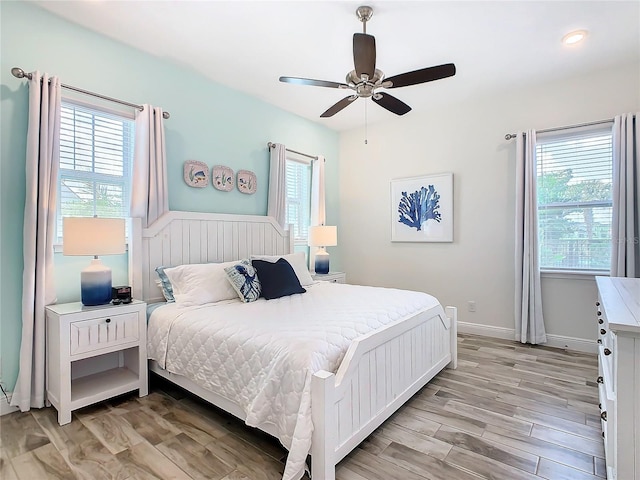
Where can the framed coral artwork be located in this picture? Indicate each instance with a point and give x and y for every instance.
(422, 209)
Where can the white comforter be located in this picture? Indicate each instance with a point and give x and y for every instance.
(262, 355)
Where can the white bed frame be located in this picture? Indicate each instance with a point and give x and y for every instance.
(380, 371)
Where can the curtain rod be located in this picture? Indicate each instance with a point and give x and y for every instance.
(20, 73)
(270, 144)
(509, 136)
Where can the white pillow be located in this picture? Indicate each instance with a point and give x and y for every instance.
(200, 283)
(297, 260)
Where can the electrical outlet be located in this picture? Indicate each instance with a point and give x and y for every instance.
(471, 306)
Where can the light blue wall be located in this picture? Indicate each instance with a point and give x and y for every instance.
(209, 122)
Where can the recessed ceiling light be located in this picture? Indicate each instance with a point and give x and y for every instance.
(572, 38)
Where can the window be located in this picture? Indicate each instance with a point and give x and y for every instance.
(574, 175)
(299, 199)
(96, 154)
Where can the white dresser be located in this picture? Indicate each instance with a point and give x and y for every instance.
(618, 311)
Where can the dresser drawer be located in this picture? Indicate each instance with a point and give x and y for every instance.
(606, 371)
(103, 332)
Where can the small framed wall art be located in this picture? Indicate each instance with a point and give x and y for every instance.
(247, 181)
(222, 178)
(422, 209)
(196, 174)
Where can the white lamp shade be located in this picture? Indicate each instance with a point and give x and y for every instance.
(93, 236)
(323, 236)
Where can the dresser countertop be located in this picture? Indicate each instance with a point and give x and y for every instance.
(621, 299)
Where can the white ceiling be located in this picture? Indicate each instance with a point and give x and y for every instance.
(247, 45)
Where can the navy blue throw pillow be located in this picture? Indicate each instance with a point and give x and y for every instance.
(277, 279)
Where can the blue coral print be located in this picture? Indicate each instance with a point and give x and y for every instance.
(418, 207)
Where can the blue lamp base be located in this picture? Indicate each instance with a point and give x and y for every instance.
(95, 284)
(322, 262)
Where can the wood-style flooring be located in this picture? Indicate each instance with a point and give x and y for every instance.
(509, 411)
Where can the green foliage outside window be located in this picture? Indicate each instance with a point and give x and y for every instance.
(574, 222)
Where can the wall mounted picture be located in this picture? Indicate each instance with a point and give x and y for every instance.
(196, 174)
(247, 181)
(422, 209)
(222, 178)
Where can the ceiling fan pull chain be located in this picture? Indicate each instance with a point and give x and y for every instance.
(365, 123)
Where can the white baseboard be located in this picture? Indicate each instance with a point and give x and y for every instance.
(558, 341)
(487, 330)
(5, 408)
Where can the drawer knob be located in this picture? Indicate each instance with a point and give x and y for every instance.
(108, 320)
(602, 331)
(603, 415)
(599, 341)
(600, 379)
(607, 351)
(599, 313)
(600, 406)
(600, 321)
(597, 304)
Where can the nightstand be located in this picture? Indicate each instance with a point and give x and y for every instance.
(94, 353)
(333, 277)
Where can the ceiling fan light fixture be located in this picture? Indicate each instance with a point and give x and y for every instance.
(574, 37)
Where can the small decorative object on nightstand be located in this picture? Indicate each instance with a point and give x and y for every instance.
(94, 353)
(333, 277)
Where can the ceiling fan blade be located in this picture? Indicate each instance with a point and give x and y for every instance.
(314, 83)
(391, 103)
(339, 106)
(423, 75)
(364, 54)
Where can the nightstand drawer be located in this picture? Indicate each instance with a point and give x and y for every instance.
(331, 277)
(103, 332)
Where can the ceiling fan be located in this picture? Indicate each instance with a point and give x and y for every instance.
(365, 79)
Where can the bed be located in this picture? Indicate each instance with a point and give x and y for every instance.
(354, 383)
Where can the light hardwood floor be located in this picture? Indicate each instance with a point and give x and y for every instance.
(509, 411)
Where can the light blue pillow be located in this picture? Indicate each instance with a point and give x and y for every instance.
(165, 284)
(244, 280)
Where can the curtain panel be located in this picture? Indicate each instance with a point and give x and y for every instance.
(529, 322)
(149, 190)
(277, 197)
(318, 212)
(38, 288)
(625, 228)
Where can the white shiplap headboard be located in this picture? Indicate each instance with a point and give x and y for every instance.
(179, 238)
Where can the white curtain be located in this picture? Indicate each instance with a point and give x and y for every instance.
(318, 212)
(149, 191)
(38, 289)
(276, 201)
(528, 301)
(318, 215)
(625, 255)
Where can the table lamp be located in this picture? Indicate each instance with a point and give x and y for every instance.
(322, 236)
(94, 236)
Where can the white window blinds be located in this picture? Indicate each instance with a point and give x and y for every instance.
(96, 153)
(574, 173)
(298, 203)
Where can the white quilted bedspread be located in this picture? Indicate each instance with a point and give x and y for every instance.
(261, 355)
